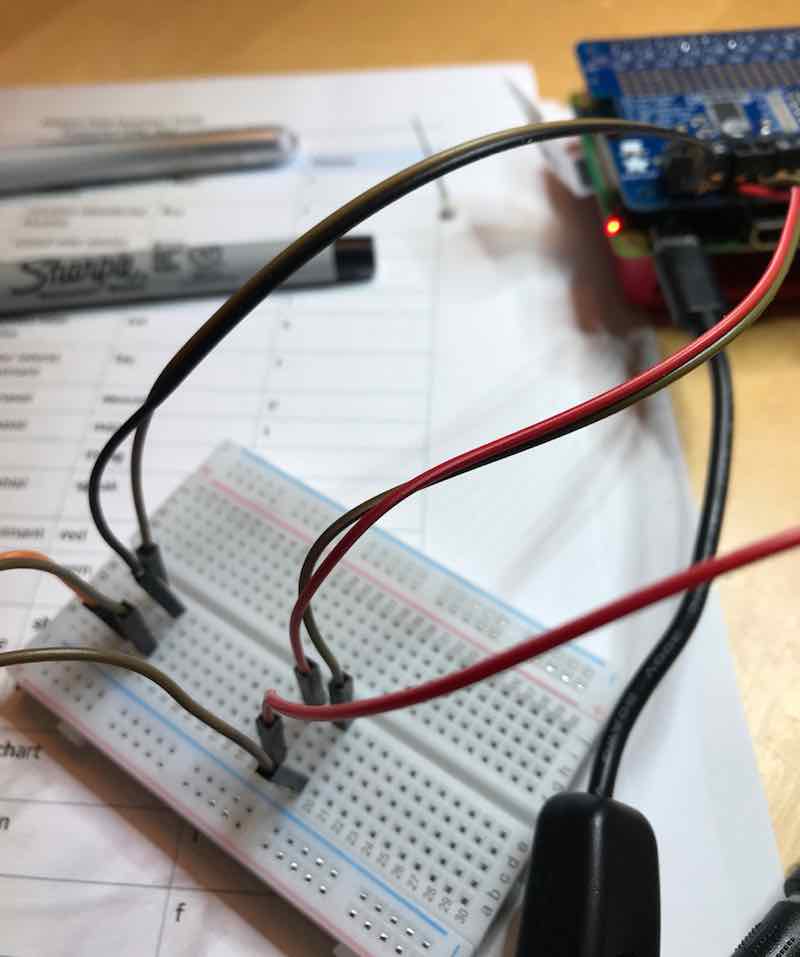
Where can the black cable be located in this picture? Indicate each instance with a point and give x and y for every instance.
(656, 665)
(142, 414)
(137, 451)
(316, 239)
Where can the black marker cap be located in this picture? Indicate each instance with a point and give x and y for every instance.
(355, 258)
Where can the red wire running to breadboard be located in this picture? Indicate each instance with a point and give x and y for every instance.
(408, 697)
(554, 424)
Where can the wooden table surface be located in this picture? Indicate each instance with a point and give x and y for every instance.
(73, 41)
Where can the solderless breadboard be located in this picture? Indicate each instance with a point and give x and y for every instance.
(413, 826)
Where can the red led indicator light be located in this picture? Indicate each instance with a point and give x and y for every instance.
(613, 225)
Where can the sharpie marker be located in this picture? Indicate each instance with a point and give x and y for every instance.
(167, 271)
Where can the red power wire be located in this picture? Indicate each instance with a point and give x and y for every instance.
(757, 191)
(682, 581)
(546, 427)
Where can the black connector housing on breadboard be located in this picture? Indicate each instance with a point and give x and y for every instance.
(340, 692)
(310, 683)
(131, 626)
(593, 886)
(151, 576)
(151, 559)
(272, 737)
(287, 778)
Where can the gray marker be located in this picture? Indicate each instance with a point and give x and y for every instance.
(165, 272)
(31, 169)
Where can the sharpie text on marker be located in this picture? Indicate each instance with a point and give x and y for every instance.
(166, 272)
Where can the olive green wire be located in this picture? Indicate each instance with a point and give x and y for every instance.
(68, 577)
(28, 656)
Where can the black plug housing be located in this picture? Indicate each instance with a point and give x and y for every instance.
(130, 626)
(272, 737)
(593, 888)
(310, 684)
(686, 278)
(340, 692)
(286, 778)
(151, 559)
(273, 740)
(152, 577)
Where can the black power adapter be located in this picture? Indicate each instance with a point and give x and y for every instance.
(593, 889)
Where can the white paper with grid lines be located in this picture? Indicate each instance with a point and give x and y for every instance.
(414, 826)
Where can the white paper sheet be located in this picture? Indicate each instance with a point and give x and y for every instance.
(475, 325)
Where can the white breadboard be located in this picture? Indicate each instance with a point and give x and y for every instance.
(414, 826)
